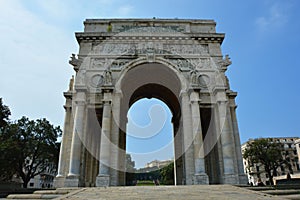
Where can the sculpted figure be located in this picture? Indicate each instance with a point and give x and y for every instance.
(107, 77)
(194, 77)
(71, 84)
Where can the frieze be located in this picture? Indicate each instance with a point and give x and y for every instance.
(201, 63)
(119, 63)
(101, 63)
(153, 47)
(114, 49)
(185, 49)
(193, 63)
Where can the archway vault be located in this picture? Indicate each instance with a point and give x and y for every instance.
(154, 80)
(153, 90)
(178, 61)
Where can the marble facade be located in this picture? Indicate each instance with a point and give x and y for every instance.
(178, 61)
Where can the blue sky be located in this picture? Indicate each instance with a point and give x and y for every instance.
(262, 39)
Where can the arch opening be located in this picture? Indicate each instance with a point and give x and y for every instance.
(149, 142)
(148, 82)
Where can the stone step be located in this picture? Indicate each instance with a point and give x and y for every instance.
(61, 191)
(33, 196)
(43, 194)
(281, 192)
(190, 192)
(292, 197)
(256, 188)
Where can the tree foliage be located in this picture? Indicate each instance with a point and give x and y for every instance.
(266, 152)
(130, 164)
(167, 174)
(26, 147)
(4, 114)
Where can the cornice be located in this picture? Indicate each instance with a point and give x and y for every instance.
(105, 36)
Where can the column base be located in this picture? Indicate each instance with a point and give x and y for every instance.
(102, 180)
(230, 179)
(201, 179)
(243, 179)
(72, 181)
(59, 182)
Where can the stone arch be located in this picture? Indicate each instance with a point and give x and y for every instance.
(146, 80)
(156, 52)
(143, 60)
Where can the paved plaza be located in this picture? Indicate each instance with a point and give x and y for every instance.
(167, 192)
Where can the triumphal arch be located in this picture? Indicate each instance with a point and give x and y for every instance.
(178, 61)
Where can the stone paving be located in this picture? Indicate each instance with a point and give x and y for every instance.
(194, 192)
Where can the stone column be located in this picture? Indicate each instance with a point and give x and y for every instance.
(115, 132)
(103, 178)
(61, 172)
(242, 177)
(228, 153)
(188, 139)
(75, 155)
(200, 175)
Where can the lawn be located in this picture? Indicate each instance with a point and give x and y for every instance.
(145, 183)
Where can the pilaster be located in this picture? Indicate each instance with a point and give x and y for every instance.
(115, 131)
(200, 176)
(63, 154)
(103, 178)
(242, 176)
(188, 139)
(229, 174)
(75, 154)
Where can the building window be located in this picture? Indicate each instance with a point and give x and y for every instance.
(31, 184)
(257, 168)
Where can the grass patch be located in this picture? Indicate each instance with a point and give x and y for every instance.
(145, 183)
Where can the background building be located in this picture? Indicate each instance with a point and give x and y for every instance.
(158, 163)
(292, 152)
(45, 179)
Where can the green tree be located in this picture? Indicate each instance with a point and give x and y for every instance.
(4, 115)
(5, 166)
(270, 154)
(167, 174)
(130, 164)
(130, 170)
(26, 147)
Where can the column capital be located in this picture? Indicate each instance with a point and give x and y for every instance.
(196, 101)
(194, 97)
(107, 89)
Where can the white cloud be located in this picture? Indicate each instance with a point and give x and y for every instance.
(276, 17)
(57, 9)
(125, 10)
(33, 63)
(37, 38)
